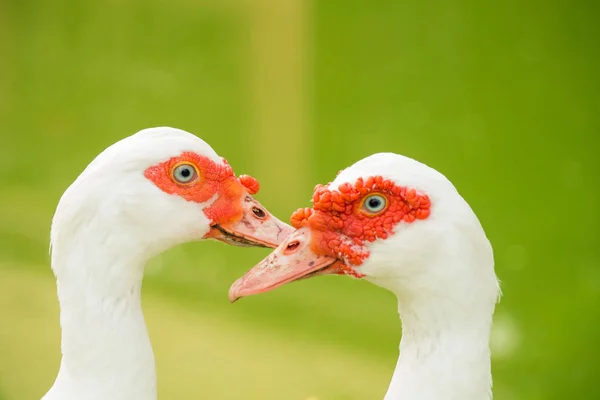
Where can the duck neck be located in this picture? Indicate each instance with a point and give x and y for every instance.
(106, 351)
(444, 351)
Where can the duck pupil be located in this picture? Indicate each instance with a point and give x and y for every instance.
(374, 203)
(185, 172)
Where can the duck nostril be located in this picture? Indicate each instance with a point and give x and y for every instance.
(292, 247)
(258, 212)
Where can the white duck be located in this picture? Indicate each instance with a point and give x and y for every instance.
(403, 226)
(141, 196)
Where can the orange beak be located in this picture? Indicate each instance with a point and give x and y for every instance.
(255, 227)
(292, 260)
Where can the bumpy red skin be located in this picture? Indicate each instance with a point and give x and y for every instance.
(341, 226)
(212, 179)
(250, 183)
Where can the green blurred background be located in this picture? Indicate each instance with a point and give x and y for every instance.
(502, 97)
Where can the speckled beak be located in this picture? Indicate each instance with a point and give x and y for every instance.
(292, 260)
(256, 227)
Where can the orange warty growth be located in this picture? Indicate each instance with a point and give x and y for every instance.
(250, 183)
(341, 225)
(214, 179)
(210, 176)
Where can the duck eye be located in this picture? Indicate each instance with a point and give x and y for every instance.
(374, 203)
(184, 173)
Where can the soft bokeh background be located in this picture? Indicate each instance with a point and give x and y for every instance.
(501, 97)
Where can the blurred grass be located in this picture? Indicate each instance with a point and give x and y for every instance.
(502, 99)
(194, 346)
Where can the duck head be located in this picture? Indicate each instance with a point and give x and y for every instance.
(161, 187)
(390, 220)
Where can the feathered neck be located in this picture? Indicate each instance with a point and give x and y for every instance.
(444, 351)
(106, 351)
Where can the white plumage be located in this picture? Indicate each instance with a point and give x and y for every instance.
(441, 270)
(108, 223)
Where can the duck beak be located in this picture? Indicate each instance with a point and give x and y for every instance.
(292, 260)
(256, 227)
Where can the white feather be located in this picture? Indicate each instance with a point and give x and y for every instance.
(108, 223)
(442, 271)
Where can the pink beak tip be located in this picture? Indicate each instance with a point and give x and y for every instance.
(233, 292)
